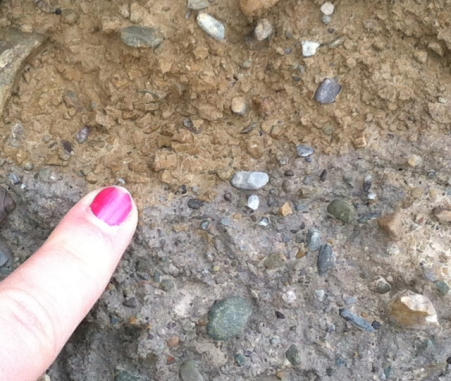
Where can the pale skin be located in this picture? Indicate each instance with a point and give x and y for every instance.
(45, 299)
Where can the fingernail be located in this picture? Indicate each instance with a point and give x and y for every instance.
(112, 205)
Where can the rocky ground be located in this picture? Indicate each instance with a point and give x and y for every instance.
(330, 263)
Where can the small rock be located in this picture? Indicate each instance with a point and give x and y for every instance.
(83, 134)
(263, 30)
(391, 224)
(412, 310)
(253, 202)
(228, 318)
(342, 210)
(414, 161)
(381, 286)
(286, 210)
(123, 375)
(14, 179)
(326, 259)
(309, 48)
(255, 7)
(376, 325)
(327, 91)
(173, 341)
(225, 221)
(289, 173)
(367, 182)
(240, 359)
(249, 180)
(327, 8)
(356, 320)
(6, 259)
(141, 37)
(442, 286)
(264, 221)
(167, 285)
(130, 302)
(197, 5)
(442, 213)
(304, 151)
(313, 239)
(239, 106)
(189, 371)
(204, 225)
(293, 355)
(7, 204)
(195, 203)
(326, 19)
(273, 261)
(211, 26)
(320, 295)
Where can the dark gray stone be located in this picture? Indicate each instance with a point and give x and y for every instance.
(326, 259)
(195, 203)
(356, 320)
(190, 372)
(342, 210)
(228, 318)
(141, 37)
(292, 354)
(327, 91)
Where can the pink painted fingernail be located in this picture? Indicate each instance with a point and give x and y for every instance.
(112, 205)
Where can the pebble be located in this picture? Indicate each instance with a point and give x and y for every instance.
(376, 325)
(327, 8)
(274, 261)
(342, 210)
(6, 258)
(263, 30)
(123, 375)
(130, 302)
(189, 371)
(286, 209)
(323, 175)
(204, 225)
(249, 180)
(326, 19)
(313, 239)
(225, 221)
(442, 214)
(195, 203)
(228, 318)
(309, 48)
(83, 134)
(197, 5)
(367, 182)
(289, 173)
(356, 320)
(381, 286)
(253, 202)
(304, 151)
(240, 359)
(442, 286)
(293, 355)
(7, 204)
(280, 315)
(28, 166)
(391, 225)
(239, 106)
(320, 295)
(141, 37)
(167, 285)
(326, 259)
(412, 310)
(264, 221)
(327, 91)
(211, 26)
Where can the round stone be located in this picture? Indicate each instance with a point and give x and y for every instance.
(327, 8)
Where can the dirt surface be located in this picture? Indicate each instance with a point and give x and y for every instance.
(160, 123)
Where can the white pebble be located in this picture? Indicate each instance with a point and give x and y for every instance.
(263, 29)
(309, 48)
(211, 26)
(253, 202)
(327, 8)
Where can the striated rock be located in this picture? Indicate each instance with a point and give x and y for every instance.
(255, 7)
(412, 310)
(141, 37)
(249, 180)
(442, 213)
(342, 210)
(15, 48)
(391, 224)
(211, 26)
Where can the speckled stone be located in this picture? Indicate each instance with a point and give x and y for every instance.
(292, 354)
(342, 210)
(228, 318)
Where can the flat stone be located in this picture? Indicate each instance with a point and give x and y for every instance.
(327, 91)
(342, 210)
(7, 204)
(255, 7)
(304, 151)
(412, 310)
(189, 371)
(356, 320)
(313, 239)
(141, 37)
(293, 355)
(197, 5)
(249, 180)
(441, 113)
(443, 214)
(309, 48)
(253, 202)
(211, 26)
(391, 225)
(15, 48)
(326, 259)
(263, 30)
(228, 318)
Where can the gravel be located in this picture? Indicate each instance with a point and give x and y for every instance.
(293, 355)
(327, 91)
(313, 239)
(195, 203)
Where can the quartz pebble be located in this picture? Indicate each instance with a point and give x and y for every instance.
(327, 91)
(309, 48)
(304, 151)
(211, 26)
(263, 30)
(412, 310)
(356, 320)
(327, 8)
(253, 202)
(249, 180)
(326, 259)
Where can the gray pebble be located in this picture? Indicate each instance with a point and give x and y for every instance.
(225, 221)
(6, 259)
(228, 318)
(249, 180)
(195, 203)
(130, 302)
(293, 355)
(327, 91)
(14, 179)
(356, 320)
(313, 239)
(211, 26)
(442, 286)
(190, 372)
(167, 285)
(204, 225)
(123, 375)
(320, 295)
(326, 259)
(326, 19)
(304, 151)
(83, 134)
(197, 5)
(367, 182)
(28, 166)
(240, 359)
(141, 37)
(342, 210)
(253, 202)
